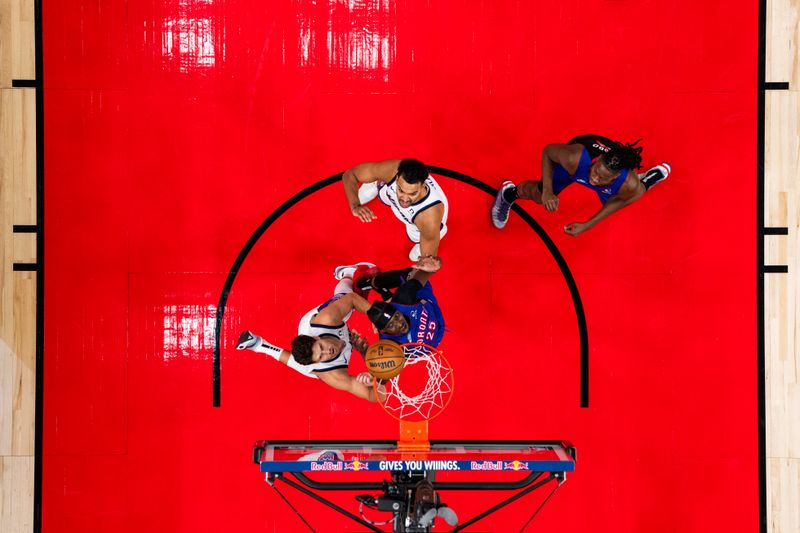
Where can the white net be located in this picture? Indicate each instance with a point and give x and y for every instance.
(423, 388)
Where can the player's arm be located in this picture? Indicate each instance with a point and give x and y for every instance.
(355, 176)
(356, 385)
(429, 224)
(630, 191)
(566, 155)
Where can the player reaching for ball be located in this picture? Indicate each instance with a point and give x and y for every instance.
(324, 344)
(416, 315)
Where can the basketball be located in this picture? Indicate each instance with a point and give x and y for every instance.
(385, 359)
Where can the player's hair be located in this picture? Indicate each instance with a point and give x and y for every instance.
(623, 155)
(412, 171)
(301, 349)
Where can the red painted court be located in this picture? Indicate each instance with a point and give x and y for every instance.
(174, 129)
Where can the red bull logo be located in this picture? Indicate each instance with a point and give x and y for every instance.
(486, 465)
(515, 465)
(326, 466)
(355, 465)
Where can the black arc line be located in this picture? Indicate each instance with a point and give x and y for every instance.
(551, 246)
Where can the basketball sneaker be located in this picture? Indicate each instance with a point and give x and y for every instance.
(655, 175)
(362, 278)
(501, 207)
(247, 340)
(347, 271)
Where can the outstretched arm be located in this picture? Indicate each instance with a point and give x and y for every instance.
(354, 177)
(565, 155)
(630, 191)
(360, 385)
(429, 224)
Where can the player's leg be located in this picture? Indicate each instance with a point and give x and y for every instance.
(358, 273)
(255, 343)
(526, 190)
(655, 175)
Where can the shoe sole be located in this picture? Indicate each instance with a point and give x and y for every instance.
(503, 187)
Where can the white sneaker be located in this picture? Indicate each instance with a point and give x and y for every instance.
(655, 175)
(347, 271)
(247, 340)
(414, 253)
(368, 192)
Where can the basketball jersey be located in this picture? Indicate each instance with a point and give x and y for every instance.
(593, 147)
(425, 320)
(342, 332)
(388, 195)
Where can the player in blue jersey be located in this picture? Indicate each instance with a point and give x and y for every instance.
(607, 167)
(411, 312)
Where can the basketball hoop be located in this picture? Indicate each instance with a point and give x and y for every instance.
(418, 394)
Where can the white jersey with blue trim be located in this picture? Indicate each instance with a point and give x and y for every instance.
(388, 195)
(341, 332)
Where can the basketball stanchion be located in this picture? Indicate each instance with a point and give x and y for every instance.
(414, 383)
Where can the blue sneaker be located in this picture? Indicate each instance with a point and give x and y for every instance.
(501, 208)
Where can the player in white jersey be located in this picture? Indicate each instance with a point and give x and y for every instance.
(324, 343)
(413, 195)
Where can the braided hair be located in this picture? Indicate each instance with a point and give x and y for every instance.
(623, 155)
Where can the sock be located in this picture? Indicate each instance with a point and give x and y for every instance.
(264, 347)
(510, 194)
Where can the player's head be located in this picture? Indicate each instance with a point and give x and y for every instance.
(397, 325)
(411, 176)
(387, 319)
(609, 165)
(308, 350)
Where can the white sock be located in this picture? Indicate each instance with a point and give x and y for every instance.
(264, 347)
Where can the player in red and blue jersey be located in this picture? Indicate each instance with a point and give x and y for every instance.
(607, 167)
(410, 307)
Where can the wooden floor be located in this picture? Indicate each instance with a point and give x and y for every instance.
(17, 288)
(781, 290)
(18, 247)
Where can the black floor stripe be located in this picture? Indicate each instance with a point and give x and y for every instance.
(776, 86)
(25, 267)
(25, 228)
(776, 231)
(24, 83)
(760, 422)
(776, 269)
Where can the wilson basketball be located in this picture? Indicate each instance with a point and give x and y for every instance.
(385, 359)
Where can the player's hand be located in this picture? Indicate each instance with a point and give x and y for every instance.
(359, 343)
(428, 263)
(363, 213)
(575, 228)
(365, 378)
(550, 201)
